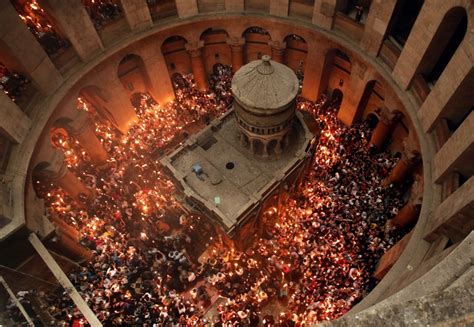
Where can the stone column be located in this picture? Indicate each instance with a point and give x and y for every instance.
(237, 52)
(351, 103)
(161, 86)
(456, 154)
(20, 42)
(234, 5)
(78, 27)
(242, 139)
(278, 149)
(70, 231)
(72, 248)
(376, 26)
(114, 97)
(187, 8)
(422, 40)
(137, 14)
(323, 13)
(452, 95)
(408, 215)
(58, 173)
(286, 140)
(278, 51)
(265, 153)
(316, 73)
(71, 184)
(82, 129)
(403, 168)
(197, 64)
(279, 8)
(14, 124)
(382, 131)
(454, 217)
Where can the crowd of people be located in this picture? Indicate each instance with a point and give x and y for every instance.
(12, 83)
(40, 25)
(313, 262)
(102, 11)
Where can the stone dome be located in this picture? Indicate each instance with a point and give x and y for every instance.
(265, 87)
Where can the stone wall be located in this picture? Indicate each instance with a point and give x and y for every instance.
(448, 100)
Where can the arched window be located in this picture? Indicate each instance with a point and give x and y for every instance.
(216, 50)
(295, 54)
(13, 82)
(371, 120)
(444, 44)
(43, 26)
(256, 43)
(175, 54)
(403, 18)
(372, 98)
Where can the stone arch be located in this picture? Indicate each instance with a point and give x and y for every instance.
(246, 139)
(403, 19)
(422, 44)
(17, 86)
(133, 75)
(372, 119)
(373, 97)
(176, 57)
(59, 128)
(46, 29)
(296, 53)
(62, 177)
(256, 43)
(38, 175)
(216, 49)
(337, 96)
(365, 99)
(272, 146)
(446, 40)
(337, 70)
(93, 95)
(258, 146)
(400, 130)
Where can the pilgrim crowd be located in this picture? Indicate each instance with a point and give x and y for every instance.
(12, 83)
(102, 11)
(37, 21)
(314, 261)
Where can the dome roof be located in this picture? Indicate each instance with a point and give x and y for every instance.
(264, 86)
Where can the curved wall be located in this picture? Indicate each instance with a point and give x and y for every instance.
(335, 49)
